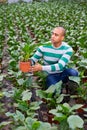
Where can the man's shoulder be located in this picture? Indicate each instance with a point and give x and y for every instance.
(66, 45)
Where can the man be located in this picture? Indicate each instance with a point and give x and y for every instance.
(56, 56)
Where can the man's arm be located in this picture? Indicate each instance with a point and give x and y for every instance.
(38, 54)
(61, 63)
(58, 66)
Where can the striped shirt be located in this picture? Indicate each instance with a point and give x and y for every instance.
(54, 59)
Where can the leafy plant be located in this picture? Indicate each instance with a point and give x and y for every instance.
(26, 51)
(82, 92)
(52, 95)
(66, 115)
(28, 123)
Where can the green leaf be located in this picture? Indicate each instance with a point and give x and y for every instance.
(20, 128)
(76, 106)
(20, 81)
(4, 123)
(53, 111)
(85, 109)
(35, 105)
(60, 98)
(51, 89)
(29, 122)
(36, 125)
(1, 94)
(64, 125)
(44, 126)
(10, 114)
(2, 76)
(60, 117)
(75, 122)
(41, 93)
(75, 79)
(26, 95)
(20, 116)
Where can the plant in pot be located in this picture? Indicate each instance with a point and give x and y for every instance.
(26, 53)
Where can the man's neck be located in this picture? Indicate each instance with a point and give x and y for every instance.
(57, 45)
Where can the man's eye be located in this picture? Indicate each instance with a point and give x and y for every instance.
(56, 34)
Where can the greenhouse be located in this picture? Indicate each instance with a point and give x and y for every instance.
(25, 28)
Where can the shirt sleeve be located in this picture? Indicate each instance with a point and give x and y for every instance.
(38, 54)
(63, 61)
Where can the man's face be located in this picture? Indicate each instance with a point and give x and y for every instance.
(57, 36)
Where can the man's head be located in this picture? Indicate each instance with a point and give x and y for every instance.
(57, 36)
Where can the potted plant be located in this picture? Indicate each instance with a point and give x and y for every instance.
(26, 52)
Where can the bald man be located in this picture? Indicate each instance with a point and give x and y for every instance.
(55, 54)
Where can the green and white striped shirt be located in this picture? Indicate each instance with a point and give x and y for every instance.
(54, 59)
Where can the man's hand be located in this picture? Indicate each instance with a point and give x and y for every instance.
(36, 67)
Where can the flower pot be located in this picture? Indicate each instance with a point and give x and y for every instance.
(25, 66)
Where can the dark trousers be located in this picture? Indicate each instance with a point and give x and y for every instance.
(54, 78)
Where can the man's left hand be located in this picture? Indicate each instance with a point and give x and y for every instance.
(36, 67)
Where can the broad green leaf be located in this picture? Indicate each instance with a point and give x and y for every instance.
(2, 76)
(76, 106)
(20, 81)
(20, 116)
(36, 125)
(44, 126)
(4, 123)
(41, 93)
(60, 98)
(51, 89)
(20, 128)
(75, 122)
(85, 109)
(26, 95)
(9, 114)
(64, 125)
(53, 111)
(75, 79)
(60, 117)
(35, 105)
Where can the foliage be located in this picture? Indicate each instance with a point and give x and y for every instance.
(52, 95)
(29, 123)
(26, 51)
(24, 25)
(82, 92)
(67, 117)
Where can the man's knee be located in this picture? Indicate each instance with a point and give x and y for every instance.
(51, 79)
(72, 72)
